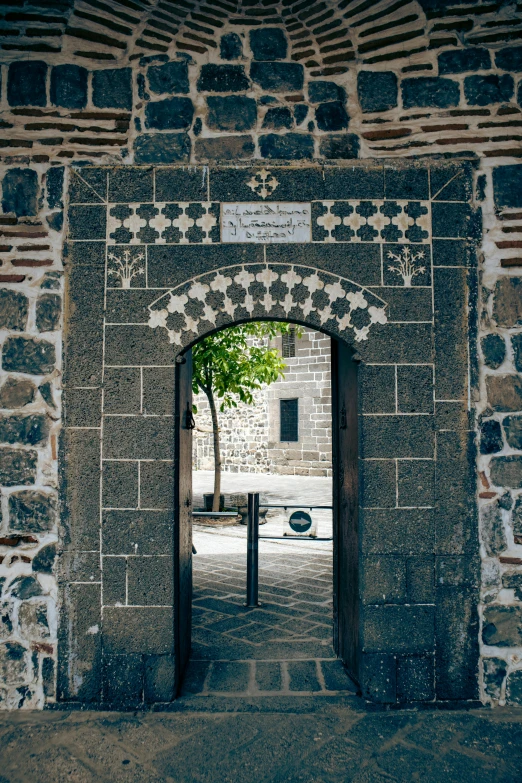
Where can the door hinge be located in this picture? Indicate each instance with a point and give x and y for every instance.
(189, 418)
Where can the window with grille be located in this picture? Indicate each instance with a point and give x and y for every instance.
(289, 420)
(288, 346)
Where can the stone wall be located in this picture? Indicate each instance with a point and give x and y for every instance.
(168, 82)
(250, 434)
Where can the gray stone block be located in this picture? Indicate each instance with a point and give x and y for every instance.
(32, 511)
(303, 676)
(16, 392)
(17, 466)
(225, 148)
(384, 580)
(394, 437)
(398, 531)
(29, 355)
(379, 678)
(120, 484)
(157, 484)
(145, 532)
(114, 580)
(20, 191)
(158, 391)
(457, 643)
(143, 630)
(420, 579)
(415, 678)
(82, 407)
(506, 472)
(138, 437)
(502, 626)
(48, 312)
(415, 482)
(507, 302)
(122, 680)
(229, 676)
(150, 581)
(378, 483)
(398, 629)
(112, 88)
(159, 684)
(172, 77)
(504, 392)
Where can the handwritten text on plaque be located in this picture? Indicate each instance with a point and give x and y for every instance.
(272, 221)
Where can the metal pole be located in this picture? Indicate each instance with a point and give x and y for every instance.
(253, 550)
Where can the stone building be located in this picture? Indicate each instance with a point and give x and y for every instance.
(288, 428)
(127, 131)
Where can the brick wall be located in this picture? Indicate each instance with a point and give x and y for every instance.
(162, 82)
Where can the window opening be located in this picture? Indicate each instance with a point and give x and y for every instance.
(289, 420)
(288, 344)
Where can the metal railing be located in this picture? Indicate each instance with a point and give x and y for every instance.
(253, 538)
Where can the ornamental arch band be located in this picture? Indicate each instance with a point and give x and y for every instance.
(385, 266)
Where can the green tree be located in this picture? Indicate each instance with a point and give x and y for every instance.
(229, 366)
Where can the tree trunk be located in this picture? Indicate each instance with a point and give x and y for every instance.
(217, 450)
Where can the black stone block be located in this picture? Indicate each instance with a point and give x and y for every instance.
(112, 88)
(171, 77)
(509, 59)
(13, 310)
(451, 183)
(415, 678)
(82, 456)
(120, 484)
(131, 184)
(399, 531)
(331, 116)
(142, 630)
(288, 146)
(278, 77)
(26, 83)
(354, 182)
(88, 186)
(268, 43)
(169, 114)
(32, 512)
(82, 407)
(69, 86)
(455, 493)
(27, 354)
(278, 117)
(377, 90)
(377, 388)
(398, 629)
(83, 359)
(356, 262)
(451, 336)
(298, 184)
(122, 390)
(406, 182)
(339, 146)
(319, 92)
(491, 437)
(20, 192)
(150, 581)
(54, 182)
(87, 222)
(516, 342)
(457, 652)
(231, 112)
(29, 430)
(122, 680)
(126, 345)
(230, 47)
(225, 148)
(181, 184)
(415, 482)
(43, 561)
(483, 90)
(300, 112)
(170, 266)
(162, 148)
(389, 437)
(114, 580)
(461, 60)
(420, 576)
(430, 91)
(158, 391)
(222, 78)
(379, 678)
(451, 252)
(48, 312)
(79, 676)
(150, 531)
(136, 437)
(378, 483)
(513, 429)
(384, 580)
(159, 685)
(157, 484)
(17, 467)
(415, 389)
(507, 185)
(451, 220)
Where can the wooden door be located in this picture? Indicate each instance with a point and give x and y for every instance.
(183, 514)
(345, 506)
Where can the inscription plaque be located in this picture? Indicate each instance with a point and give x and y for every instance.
(272, 221)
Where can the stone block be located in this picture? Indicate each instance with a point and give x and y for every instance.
(492, 530)
(502, 626)
(339, 146)
(506, 472)
(379, 678)
(25, 587)
(112, 88)
(321, 91)
(120, 484)
(170, 77)
(455, 487)
(20, 191)
(513, 429)
(300, 112)
(114, 576)
(495, 670)
(516, 342)
(162, 148)
(415, 388)
(26, 83)
(490, 437)
(406, 182)
(484, 90)
(378, 483)
(415, 678)
(222, 78)
(507, 186)
(268, 43)
(87, 222)
(415, 480)
(32, 512)
(17, 392)
(69, 86)
(158, 391)
(14, 663)
(83, 358)
(79, 668)
(384, 580)
(398, 629)
(122, 390)
(303, 676)
(429, 91)
(129, 344)
(377, 388)
(82, 407)
(159, 684)
(13, 310)
(141, 630)
(29, 355)
(34, 622)
(146, 532)
(48, 312)
(230, 47)
(43, 561)
(353, 182)
(457, 643)
(131, 183)
(451, 252)
(157, 484)
(17, 466)
(507, 303)
(493, 350)
(137, 437)
(225, 148)
(54, 181)
(451, 334)
(514, 688)
(231, 112)
(462, 60)
(331, 116)
(509, 59)
(451, 220)
(277, 77)
(80, 566)
(504, 392)
(82, 456)
(288, 146)
(169, 114)
(420, 580)
(394, 437)
(184, 183)
(278, 117)
(377, 90)
(150, 581)
(122, 680)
